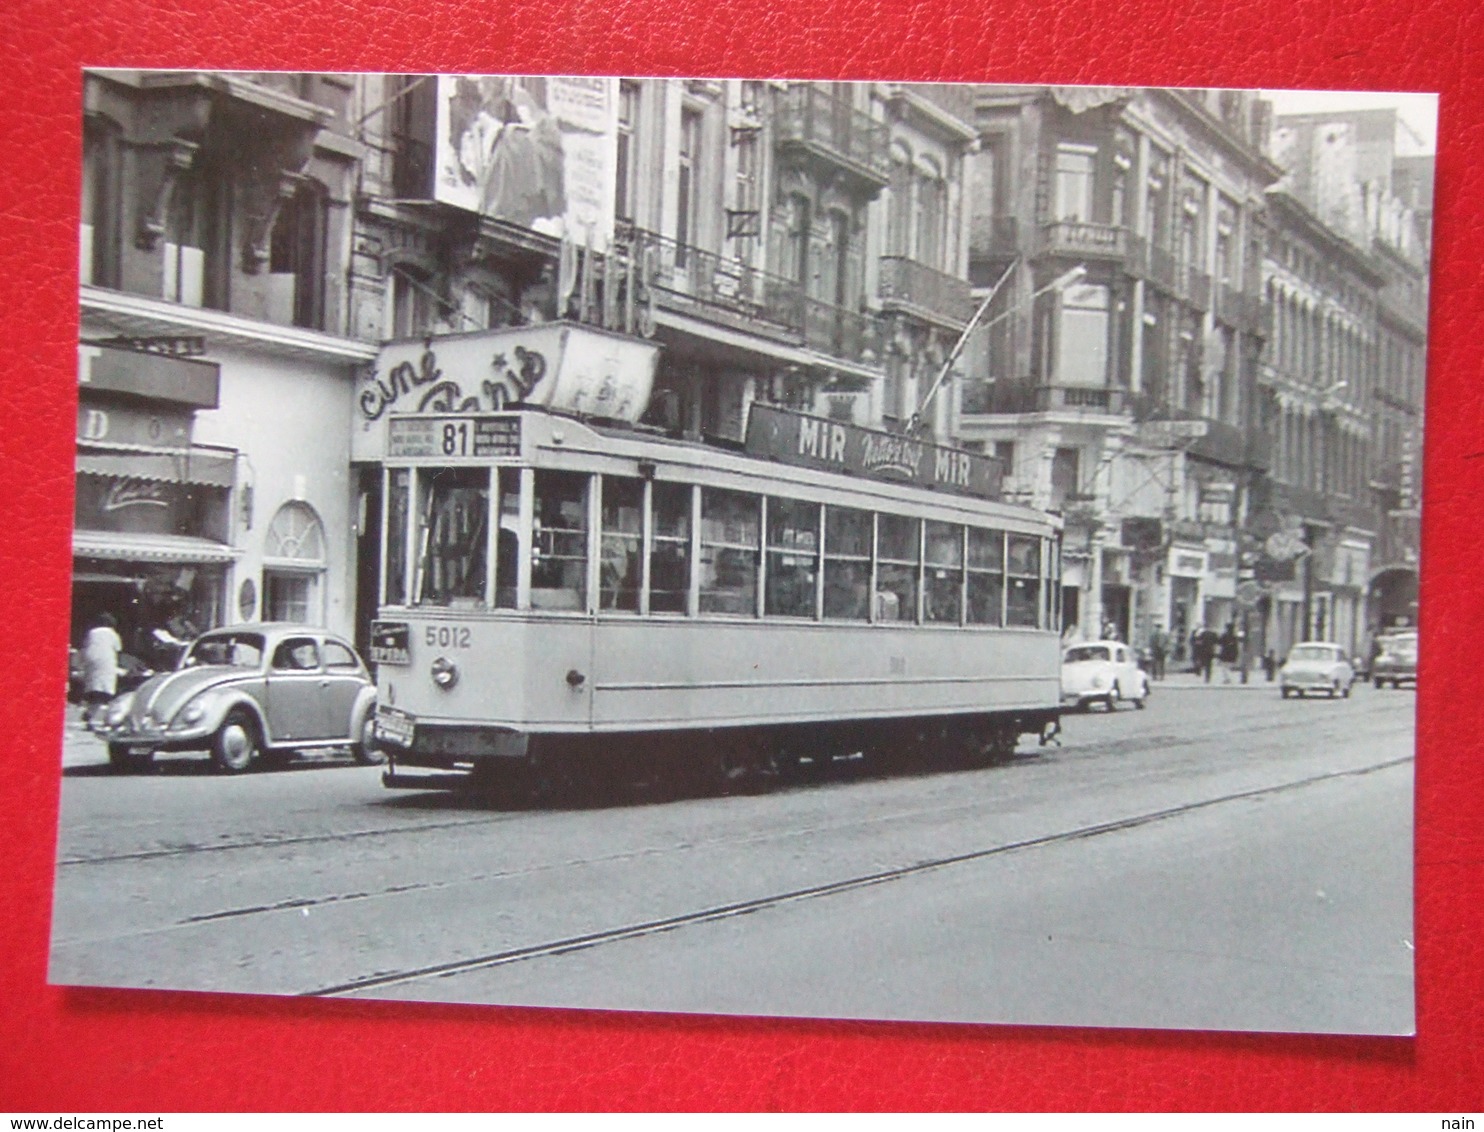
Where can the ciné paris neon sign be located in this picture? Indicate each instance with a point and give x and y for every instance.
(511, 385)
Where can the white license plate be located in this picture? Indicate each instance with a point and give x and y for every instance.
(395, 726)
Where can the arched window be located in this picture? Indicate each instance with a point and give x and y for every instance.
(294, 565)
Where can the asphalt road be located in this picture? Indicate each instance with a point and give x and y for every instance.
(1223, 860)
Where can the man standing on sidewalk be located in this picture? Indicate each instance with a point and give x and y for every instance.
(1159, 649)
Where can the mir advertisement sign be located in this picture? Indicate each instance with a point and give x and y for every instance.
(813, 442)
(538, 152)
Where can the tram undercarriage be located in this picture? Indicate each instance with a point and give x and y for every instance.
(729, 760)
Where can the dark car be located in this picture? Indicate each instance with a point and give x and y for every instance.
(266, 688)
(1396, 660)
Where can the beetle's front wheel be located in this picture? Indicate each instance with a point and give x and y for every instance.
(235, 747)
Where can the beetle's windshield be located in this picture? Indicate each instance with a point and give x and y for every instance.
(233, 650)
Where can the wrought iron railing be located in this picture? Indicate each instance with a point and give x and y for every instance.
(816, 120)
(706, 284)
(908, 283)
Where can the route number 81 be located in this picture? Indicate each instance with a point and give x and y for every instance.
(456, 439)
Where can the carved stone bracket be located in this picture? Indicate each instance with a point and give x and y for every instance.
(260, 215)
(176, 157)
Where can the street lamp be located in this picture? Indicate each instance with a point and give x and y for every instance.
(1060, 283)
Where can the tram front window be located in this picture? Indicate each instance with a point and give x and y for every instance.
(398, 504)
(559, 555)
(454, 536)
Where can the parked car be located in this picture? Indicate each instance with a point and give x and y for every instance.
(1102, 672)
(1316, 666)
(1396, 660)
(245, 692)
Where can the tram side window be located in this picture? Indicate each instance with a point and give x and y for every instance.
(454, 536)
(623, 544)
(669, 551)
(398, 503)
(793, 558)
(847, 564)
(729, 551)
(898, 554)
(1024, 598)
(1052, 561)
(559, 542)
(943, 582)
(986, 576)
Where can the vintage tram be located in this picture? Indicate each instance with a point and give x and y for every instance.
(556, 590)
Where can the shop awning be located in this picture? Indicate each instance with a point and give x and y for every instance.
(128, 547)
(210, 469)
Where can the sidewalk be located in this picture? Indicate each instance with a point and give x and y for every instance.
(80, 747)
(1189, 681)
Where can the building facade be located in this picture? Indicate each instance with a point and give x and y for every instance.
(259, 250)
(215, 371)
(1116, 375)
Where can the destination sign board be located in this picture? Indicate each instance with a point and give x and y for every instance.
(813, 442)
(422, 437)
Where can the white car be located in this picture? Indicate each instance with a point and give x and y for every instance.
(1316, 666)
(1102, 672)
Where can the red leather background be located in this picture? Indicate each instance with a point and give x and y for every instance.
(90, 1050)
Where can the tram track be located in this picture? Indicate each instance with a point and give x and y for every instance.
(714, 913)
(1097, 747)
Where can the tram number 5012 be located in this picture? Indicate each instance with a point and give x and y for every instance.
(446, 636)
(456, 439)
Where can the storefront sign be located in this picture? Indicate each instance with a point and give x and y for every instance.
(421, 438)
(562, 366)
(157, 376)
(813, 442)
(134, 426)
(1187, 564)
(144, 505)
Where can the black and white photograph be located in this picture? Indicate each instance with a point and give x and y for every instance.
(850, 550)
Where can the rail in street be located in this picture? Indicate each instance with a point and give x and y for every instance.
(318, 882)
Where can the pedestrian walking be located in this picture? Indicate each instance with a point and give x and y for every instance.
(1159, 649)
(1203, 651)
(1228, 650)
(100, 666)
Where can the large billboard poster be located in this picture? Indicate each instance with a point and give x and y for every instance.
(539, 152)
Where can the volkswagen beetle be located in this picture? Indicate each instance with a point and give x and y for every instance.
(1102, 672)
(248, 691)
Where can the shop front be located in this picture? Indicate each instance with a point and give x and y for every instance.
(151, 523)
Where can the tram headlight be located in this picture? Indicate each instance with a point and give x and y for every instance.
(445, 673)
